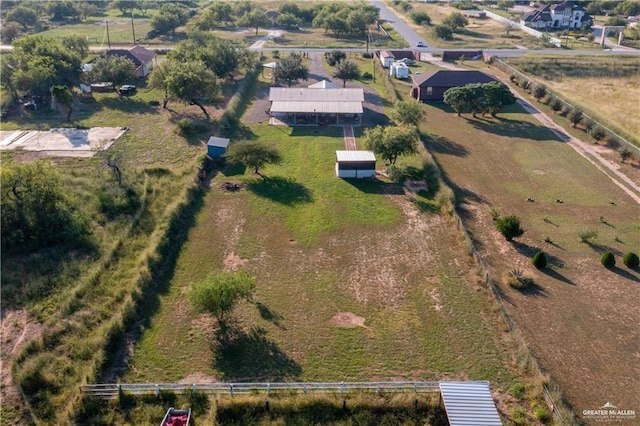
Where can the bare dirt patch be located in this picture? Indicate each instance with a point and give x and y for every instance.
(198, 377)
(233, 262)
(347, 320)
(15, 331)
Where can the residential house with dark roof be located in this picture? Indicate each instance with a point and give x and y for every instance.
(566, 14)
(141, 57)
(431, 86)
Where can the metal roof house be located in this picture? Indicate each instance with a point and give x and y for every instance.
(431, 86)
(217, 147)
(299, 106)
(142, 58)
(355, 164)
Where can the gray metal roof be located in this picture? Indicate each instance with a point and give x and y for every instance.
(469, 404)
(353, 156)
(304, 94)
(324, 84)
(219, 142)
(317, 106)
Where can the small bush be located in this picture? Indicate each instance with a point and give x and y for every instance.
(598, 133)
(631, 260)
(366, 75)
(517, 279)
(575, 116)
(367, 55)
(509, 227)
(556, 104)
(608, 260)
(517, 390)
(588, 124)
(519, 416)
(589, 237)
(187, 127)
(539, 260)
(625, 154)
(495, 213)
(542, 413)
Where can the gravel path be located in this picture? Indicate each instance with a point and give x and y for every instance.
(349, 139)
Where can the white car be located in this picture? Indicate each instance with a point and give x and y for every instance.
(419, 44)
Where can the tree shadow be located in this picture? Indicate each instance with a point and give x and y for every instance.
(624, 274)
(128, 105)
(602, 249)
(281, 190)
(552, 273)
(512, 128)
(247, 356)
(268, 314)
(442, 145)
(525, 249)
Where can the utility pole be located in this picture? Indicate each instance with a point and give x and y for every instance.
(108, 39)
(133, 29)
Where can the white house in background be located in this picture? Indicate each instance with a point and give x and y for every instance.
(566, 14)
(142, 58)
(355, 164)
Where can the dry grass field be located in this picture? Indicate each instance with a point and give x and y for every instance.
(480, 33)
(607, 88)
(579, 319)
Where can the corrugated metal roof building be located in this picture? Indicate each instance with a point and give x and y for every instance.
(469, 404)
(355, 164)
(316, 105)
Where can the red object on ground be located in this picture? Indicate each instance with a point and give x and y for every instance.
(177, 420)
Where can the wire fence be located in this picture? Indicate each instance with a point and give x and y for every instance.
(524, 77)
(114, 390)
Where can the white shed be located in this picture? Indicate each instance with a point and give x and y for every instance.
(399, 70)
(386, 58)
(355, 164)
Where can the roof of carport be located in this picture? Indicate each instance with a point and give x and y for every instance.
(469, 404)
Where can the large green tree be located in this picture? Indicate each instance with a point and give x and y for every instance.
(38, 63)
(254, 19)
(191, 82)
(23, 15)
(291, 68)
(37, 211)
(116, 69)
(169, 18)
(346, 71)
(62, 96)
(392, 141)
(409, 112)
(219, 55)
(254, 154)
(455, 21)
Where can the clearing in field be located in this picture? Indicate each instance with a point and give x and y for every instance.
(606, 88)
(579, 318)
(354, 283)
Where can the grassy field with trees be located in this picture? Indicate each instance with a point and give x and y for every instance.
(612, 78)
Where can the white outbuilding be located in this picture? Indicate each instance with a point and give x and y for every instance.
(355, 164)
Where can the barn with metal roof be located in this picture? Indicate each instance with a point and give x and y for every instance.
(313, 106)
(355, 164)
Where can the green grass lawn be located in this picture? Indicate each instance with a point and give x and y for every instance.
(320, 245)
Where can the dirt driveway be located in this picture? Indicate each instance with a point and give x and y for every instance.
(373, 107)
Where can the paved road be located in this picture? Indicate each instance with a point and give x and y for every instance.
(398, 24)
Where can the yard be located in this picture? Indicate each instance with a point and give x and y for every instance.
(354, 283)
(579, 319)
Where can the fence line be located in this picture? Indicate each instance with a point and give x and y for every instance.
(552, 404)
(524, 77)
(113, 390)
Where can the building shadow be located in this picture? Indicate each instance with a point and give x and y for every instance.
(375, 186)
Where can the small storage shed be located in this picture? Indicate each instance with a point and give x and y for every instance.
(386, 58)
(355, 164)
(217, 147)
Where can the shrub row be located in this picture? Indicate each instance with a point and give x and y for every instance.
(230, 119)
